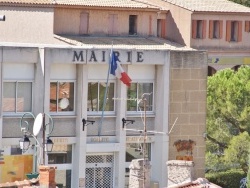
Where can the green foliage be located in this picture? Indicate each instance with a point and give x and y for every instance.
(226, 179)
(238, 151)
(242, 2)
(248, 173)
(228, 115)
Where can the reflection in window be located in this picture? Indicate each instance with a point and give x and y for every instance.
(61, 96)
(135, 151)
(63, 178)
(60, 154)
(136, 91)
(17, 97)
(96, 93)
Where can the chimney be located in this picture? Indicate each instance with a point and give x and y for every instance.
(180, 171)
(47, 176)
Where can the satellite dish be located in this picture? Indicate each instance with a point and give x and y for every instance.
(38, 124)
(64, 103)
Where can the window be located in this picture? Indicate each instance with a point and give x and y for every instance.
(84, 23)
(199, 29)
(247, 26)
(161, 28)
(215, 29)
(17, 97)
(62, 96)
(234, 31)
(113, 20)
(133, 25)
(135, 151)
(96, 93)
(136, 91)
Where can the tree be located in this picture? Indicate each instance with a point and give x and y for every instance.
(242, 2)
(228, 108)
(238, 151)
(248, 173)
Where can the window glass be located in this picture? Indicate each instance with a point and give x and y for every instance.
(17, 96)
(96, 93)
(234, 30)
(135, 151)
(61, 154)
(199, 29)
(138, 91)
(216, 31)
(63, 178)
(62, 96)
(132, 24)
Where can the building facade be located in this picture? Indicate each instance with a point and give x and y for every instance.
(55, 60)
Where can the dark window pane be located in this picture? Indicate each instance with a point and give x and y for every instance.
(9, 96)
(24, 97)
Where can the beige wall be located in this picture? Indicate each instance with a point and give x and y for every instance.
(207, 42)
(26, 25)
(188, 84)
(178, 25)
(67, 21)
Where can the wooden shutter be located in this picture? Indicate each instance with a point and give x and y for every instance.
(150, 26)
(220, 29)
(204, 28)
(84, 23)
(211, 29)
(247, 27)
(228, 30)
(194, 28)
(112, 24)
(239, 39)
(163, 28)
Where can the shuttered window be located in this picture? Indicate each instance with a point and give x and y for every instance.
(161, 28)
(215, 29)
(113, 20)
(234, 31)
(84, 23)
(199, 29)
(247, 26)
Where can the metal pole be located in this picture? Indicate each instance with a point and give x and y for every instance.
(43, 139)
(144, 143)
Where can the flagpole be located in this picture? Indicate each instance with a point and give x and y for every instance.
(105, 95)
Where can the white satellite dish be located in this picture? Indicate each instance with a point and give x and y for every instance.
(64, 103)
(38, 124)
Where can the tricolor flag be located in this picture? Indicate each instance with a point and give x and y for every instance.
(117, 70)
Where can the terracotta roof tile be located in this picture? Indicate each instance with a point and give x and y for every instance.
(122, 42)
(96, 3)
(210, 5)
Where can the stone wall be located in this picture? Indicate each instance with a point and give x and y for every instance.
(188, 85)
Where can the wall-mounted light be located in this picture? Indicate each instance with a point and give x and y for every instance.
(85, 122)
(2, 17)
(124, 122)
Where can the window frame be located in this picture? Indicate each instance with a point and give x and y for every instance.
(215, 28)
(199, 29)
(16, 93)
(133, 25)
(137, 112)
(63, 112)
(99, 113)
(233, 31)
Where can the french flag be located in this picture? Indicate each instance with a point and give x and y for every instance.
(117, 70)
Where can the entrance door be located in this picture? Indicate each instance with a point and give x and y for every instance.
(99, 171)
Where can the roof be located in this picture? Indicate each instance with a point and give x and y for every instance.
(210, 5)
(199, 183)
(92, 3)
(150, 43)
